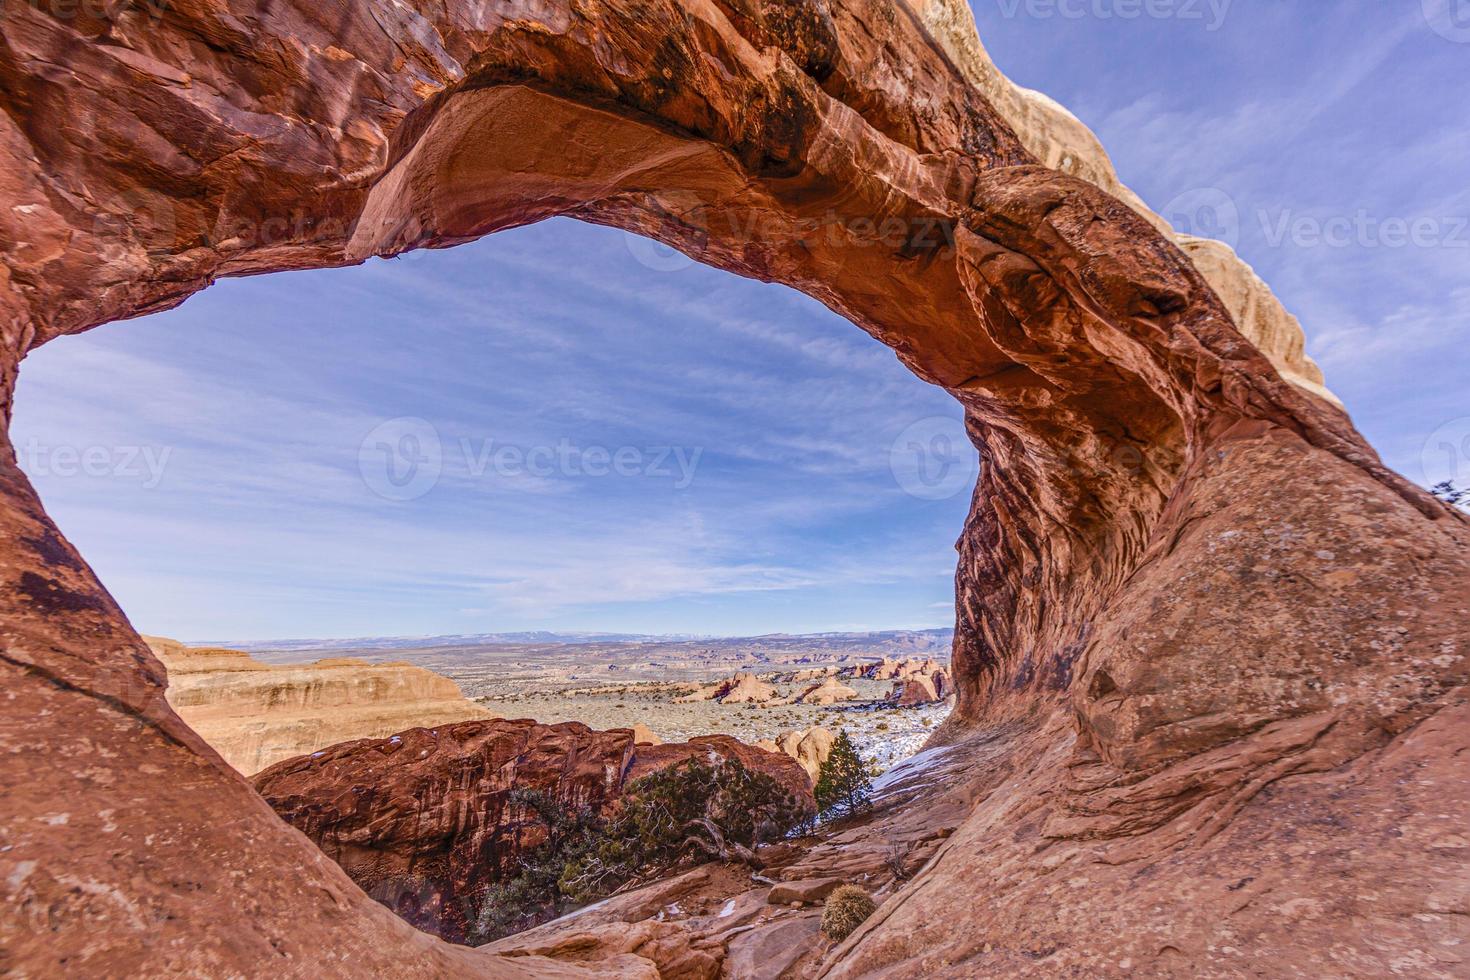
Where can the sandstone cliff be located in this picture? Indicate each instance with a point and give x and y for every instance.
(256, 714)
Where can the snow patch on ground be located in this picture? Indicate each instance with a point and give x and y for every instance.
(910, 768)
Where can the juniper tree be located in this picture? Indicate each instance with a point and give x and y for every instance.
(843, 784)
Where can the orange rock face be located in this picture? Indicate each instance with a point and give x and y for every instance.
(1219, 650)
(423, 822)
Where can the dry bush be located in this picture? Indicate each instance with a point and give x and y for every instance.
(846, 909)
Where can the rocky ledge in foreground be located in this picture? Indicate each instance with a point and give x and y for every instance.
(423, 821)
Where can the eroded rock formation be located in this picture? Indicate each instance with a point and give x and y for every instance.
(741, 688)
(1221, 650)
(256, 714)
(423, 820)
(830, 691)
(810, 748)
(915, 690)
(889, 669)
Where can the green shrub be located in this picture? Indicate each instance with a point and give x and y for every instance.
(697, 809)
(847, 908)
(844, 786)
(719, 810)
(531, 895)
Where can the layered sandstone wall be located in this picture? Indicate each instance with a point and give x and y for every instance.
(256, 714)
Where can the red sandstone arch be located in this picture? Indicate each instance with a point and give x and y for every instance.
(1143, 602)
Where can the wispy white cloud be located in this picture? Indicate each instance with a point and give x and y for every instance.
(263, 391)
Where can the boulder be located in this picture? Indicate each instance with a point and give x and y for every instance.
(741, 688)
(745, 688)
(915, 690)
(806, 891)
(423, 820)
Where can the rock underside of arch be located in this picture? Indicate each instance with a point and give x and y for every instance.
(1222, 646)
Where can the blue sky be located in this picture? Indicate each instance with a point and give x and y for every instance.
(606, 436)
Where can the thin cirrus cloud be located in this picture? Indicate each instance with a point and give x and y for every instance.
(779, 414)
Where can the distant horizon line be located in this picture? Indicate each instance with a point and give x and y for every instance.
(607, 635)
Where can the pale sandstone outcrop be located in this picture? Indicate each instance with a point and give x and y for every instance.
(740, 688)
(889, 668)
(1061, 141)
(810, 748)
(257, 714)
(643, 735)
(1217, 649)
(829, 691)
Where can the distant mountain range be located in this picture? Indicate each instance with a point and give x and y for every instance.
(917, 640)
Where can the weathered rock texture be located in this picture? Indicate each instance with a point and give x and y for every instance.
(1059, 140)
(810, 748)
(1227, 648)
(256, 714)
(423, 820)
